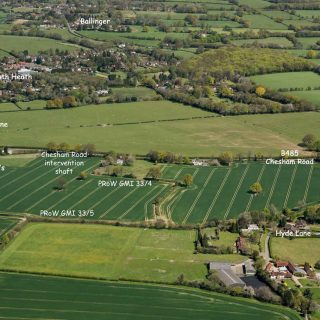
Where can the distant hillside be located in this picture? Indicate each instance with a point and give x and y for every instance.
(227, 62)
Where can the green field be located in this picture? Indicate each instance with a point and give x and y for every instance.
(35, 104)
(223, 192)
(6, 223)
(312, 96)
(108, 252)
(259, 4)
(216, 193)
(139, 92)
(296, 250)
(288, 80)
(8, 106)
(33, 44)
(17, 160)
(307, 42)
(258, 21)
(189, 137)
(281, 41)
(308, 13)
(36, 297)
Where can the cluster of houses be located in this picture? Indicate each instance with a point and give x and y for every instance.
(25, 68)
(300, 225)
(199, 162)
(280, 270)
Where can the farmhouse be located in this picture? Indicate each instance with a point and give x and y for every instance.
(120, 162)
(250, 228)
(197, 162)
(283, 269)
(240, 244)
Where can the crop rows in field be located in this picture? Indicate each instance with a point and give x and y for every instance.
(224, 192)
(37, 297)
(33, 188)
(6, 224)
(217, 192)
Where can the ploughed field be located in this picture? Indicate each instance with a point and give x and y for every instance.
(217, 192)
(37, 297)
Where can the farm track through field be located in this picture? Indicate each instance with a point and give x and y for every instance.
(220, 190)
(150, 200)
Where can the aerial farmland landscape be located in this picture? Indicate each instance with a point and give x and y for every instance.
(160, 159)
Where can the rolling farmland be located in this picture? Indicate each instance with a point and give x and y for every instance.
(109, 252)
(222, 193)
(154, 90)
(288, 80)
(207, 136)
(219, 192)
(33, 44)
(37, 297)
(297, 250)
(6, 223)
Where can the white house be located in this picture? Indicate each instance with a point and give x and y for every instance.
(197, 162)
(120, 162)
(253, 227)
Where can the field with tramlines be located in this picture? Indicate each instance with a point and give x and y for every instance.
(217, 192)
(32, 188)
(223, 193)
(37, 297)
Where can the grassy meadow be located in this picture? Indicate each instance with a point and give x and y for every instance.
(108, 252)
(288, 80)
(95, 124)
(296, 250)
(33, 44)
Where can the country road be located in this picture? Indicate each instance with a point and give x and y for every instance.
(266, 253)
